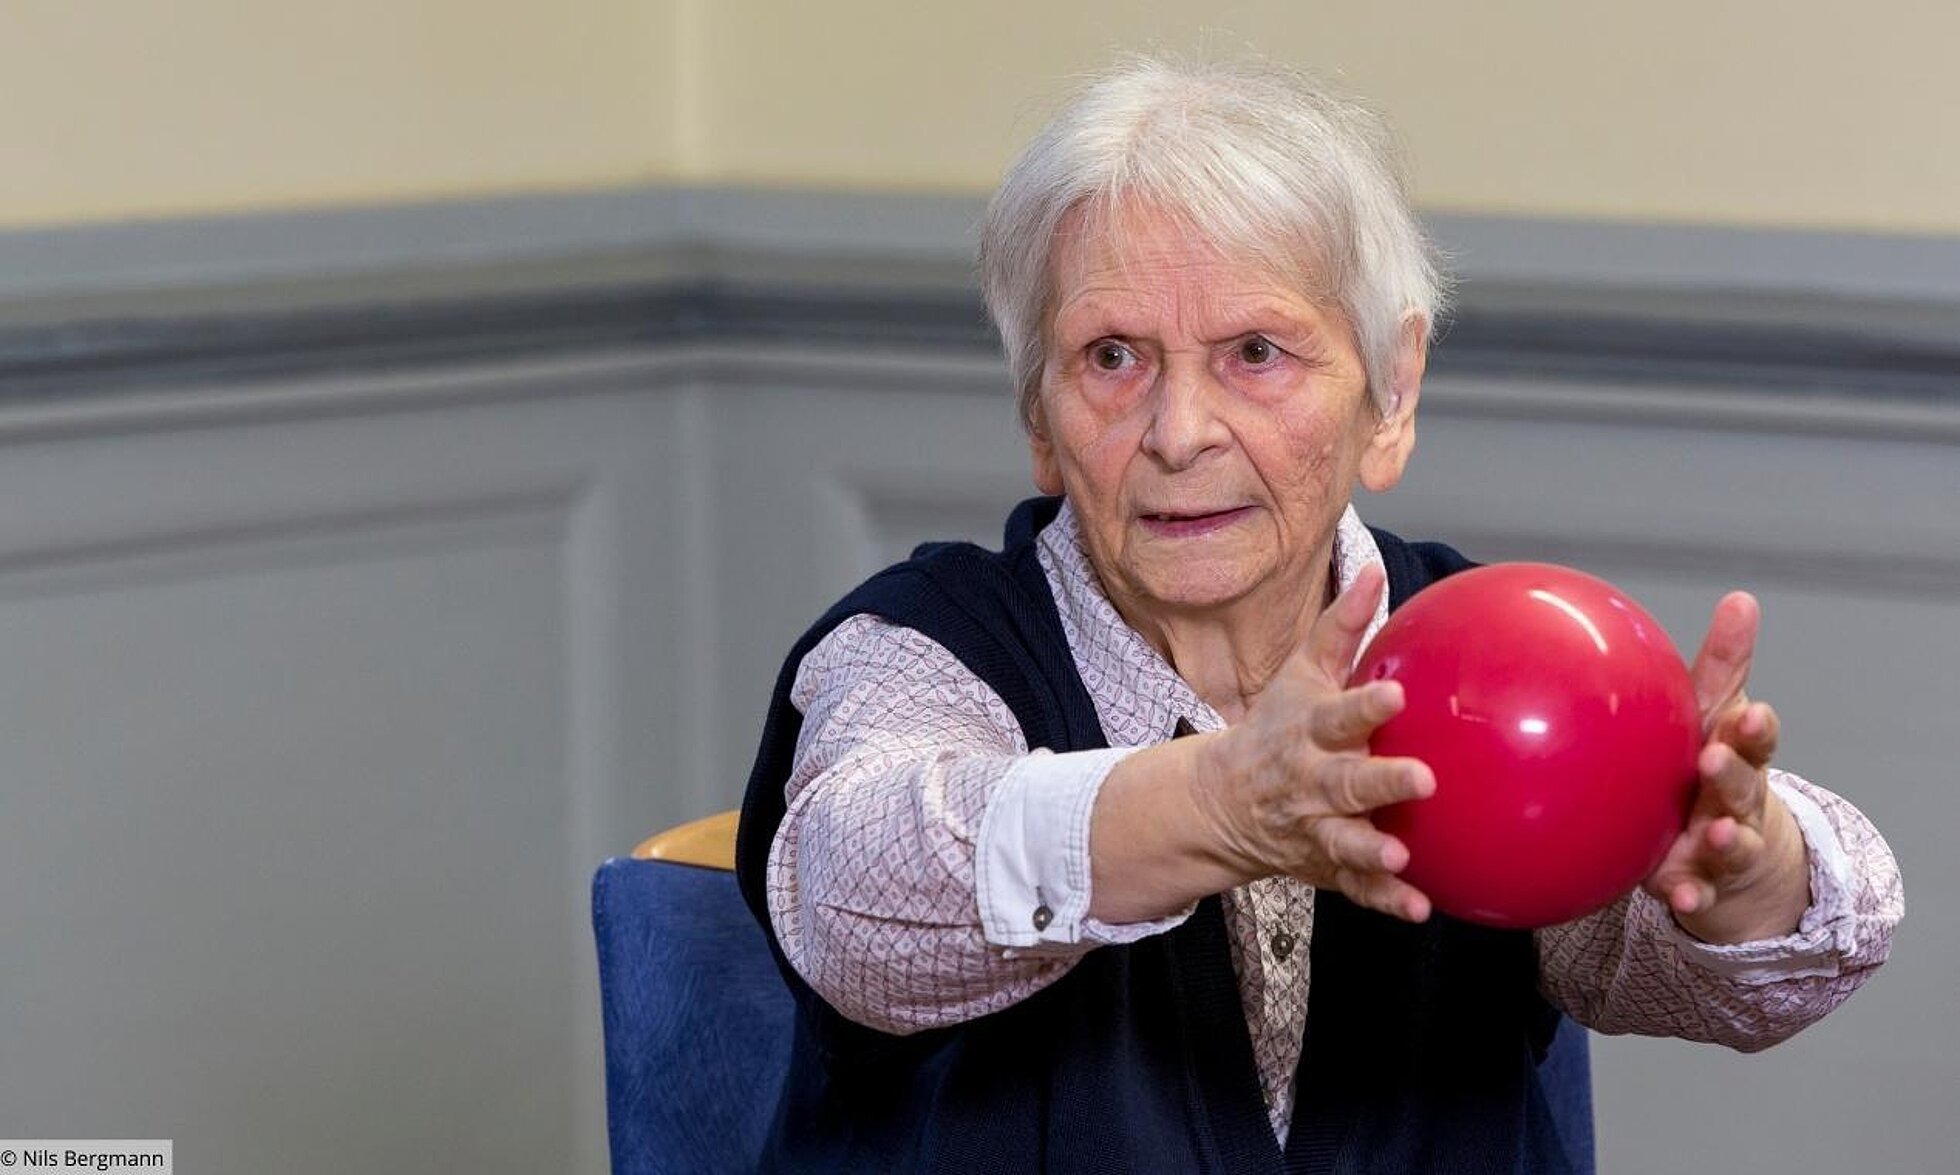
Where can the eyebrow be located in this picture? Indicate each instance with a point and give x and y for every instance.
(1264, 315)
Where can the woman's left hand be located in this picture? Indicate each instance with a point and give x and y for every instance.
(1738, 872)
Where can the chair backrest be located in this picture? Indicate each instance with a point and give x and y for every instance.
(697, 1019)
(709, 841)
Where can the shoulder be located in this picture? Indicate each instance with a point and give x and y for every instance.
(868, 648)
(1414, 565)
(943, 590)
(871, 675)
(956, 592)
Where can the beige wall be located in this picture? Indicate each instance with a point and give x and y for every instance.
(1811, 113)
(1799, 113)
(116, 108)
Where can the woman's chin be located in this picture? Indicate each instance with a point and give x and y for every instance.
(1198, 587)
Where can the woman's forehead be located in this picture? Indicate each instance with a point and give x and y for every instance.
(1114, 248)
(1143, 260)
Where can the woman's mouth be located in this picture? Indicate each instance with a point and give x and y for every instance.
(1184, 524)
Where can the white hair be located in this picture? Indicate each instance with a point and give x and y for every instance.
(1265, 164)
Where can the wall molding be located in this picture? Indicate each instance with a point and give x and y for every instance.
(1900, 574)
(1823, 331)
(702, 368)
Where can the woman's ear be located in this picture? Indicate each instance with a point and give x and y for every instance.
(1394, 438)
(1041, 451)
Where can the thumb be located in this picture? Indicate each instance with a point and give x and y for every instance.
(1336, 633)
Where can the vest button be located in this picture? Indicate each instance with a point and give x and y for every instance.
(1042, 917)
(1283, 944)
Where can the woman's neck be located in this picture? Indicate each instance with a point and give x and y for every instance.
(1229, 653)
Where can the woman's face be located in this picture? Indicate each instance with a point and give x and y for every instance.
(1207, 422)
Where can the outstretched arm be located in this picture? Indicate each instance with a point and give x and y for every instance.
(1771, 907)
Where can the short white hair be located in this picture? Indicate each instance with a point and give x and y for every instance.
(1266, 164)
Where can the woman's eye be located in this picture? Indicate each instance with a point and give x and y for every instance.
(1109, 356)
(1257, 352)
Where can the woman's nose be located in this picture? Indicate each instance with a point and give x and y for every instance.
(1184, 421)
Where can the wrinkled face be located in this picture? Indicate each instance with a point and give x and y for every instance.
(1208, 423)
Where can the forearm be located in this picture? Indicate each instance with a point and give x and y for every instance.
(1150, 850)
(1632, 969)
(928, 869)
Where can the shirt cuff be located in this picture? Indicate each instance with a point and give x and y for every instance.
(1825, 935)
(1031, 865)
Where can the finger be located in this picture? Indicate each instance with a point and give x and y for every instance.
(1347, 719)
(1729, 847)
(1337, 632)
(1701, 859)
(1353, 785)
(1721, 666)
(1730, 784)
(1384, 892)
(1753, 733)
(1353, 843)
(1690, 895)
(1683, 883)
(1720, 848)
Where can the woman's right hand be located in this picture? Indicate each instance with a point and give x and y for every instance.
(1288, 789)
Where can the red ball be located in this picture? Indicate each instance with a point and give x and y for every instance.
(1563, 732)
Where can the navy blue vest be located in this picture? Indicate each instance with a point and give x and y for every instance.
(1426, 1046)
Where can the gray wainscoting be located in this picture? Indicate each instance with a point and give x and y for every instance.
(365, 578)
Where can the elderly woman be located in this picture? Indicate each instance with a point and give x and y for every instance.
(1065, 849)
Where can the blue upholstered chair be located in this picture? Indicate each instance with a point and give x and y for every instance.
(1568, 1082)
(697, 1020)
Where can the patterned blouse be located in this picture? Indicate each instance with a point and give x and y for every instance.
(931, 869)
